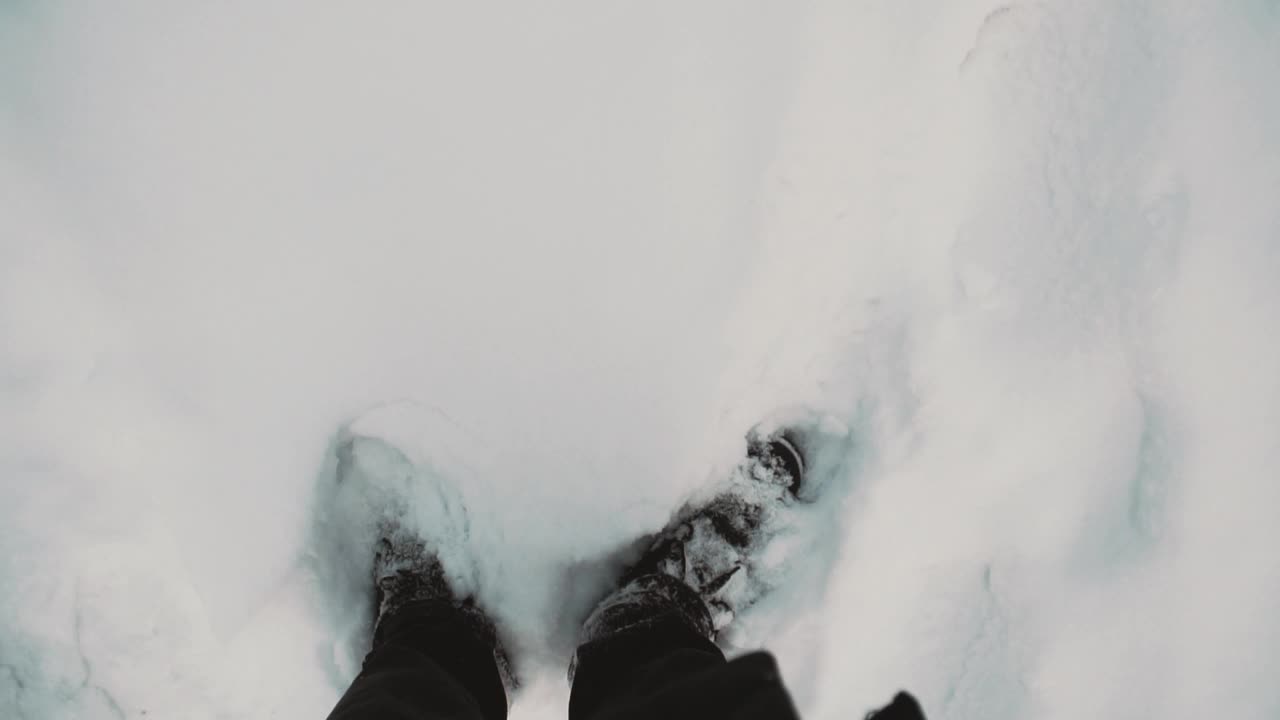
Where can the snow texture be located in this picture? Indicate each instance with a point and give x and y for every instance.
(1027, 253)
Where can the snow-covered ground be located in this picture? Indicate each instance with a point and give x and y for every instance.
(1029, 252)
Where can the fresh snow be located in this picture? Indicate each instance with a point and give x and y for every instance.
(1027, 253)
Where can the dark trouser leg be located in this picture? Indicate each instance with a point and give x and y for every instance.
(427, 663)
(665, 669)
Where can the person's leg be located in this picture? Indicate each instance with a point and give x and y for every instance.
(667, 671)
(435, 653)
(648, 650)
(430, 661)
(664, 666)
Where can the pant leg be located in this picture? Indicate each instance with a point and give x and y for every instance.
(665, 669)
(427, 663)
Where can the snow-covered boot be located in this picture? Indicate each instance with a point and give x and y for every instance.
(704, 564)
(406, 572)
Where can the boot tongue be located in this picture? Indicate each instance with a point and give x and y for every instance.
(405, 571)
(711, 558)
(403, 585)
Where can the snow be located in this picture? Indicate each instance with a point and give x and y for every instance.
(1027, 252)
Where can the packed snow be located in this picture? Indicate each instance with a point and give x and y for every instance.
(1029, 254)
